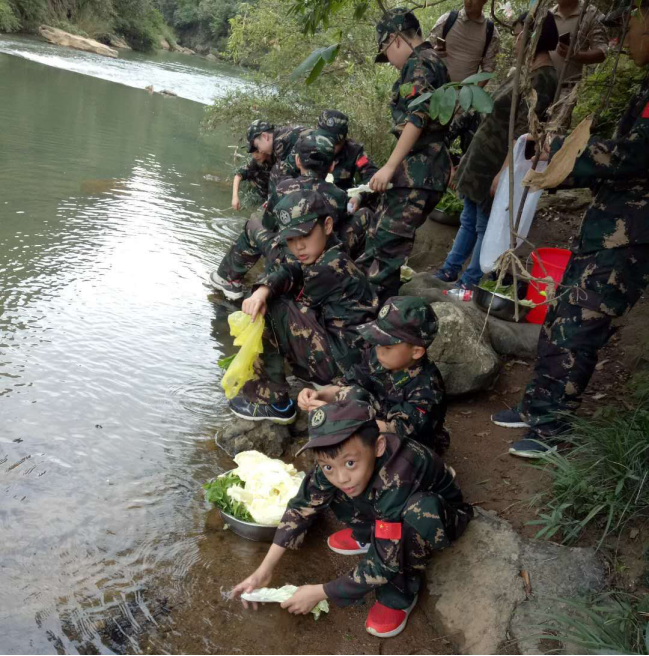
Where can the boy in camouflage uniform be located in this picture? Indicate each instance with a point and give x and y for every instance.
(313, 301)
(608, 272)
(273, 146)
(314, 158)
(256, 173)
(398, 499)
(420, 165)
(405, 388)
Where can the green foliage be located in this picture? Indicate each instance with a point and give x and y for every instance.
(603, 480)
(8, 20)
(595, 86)
(607, 623)
(216, 493)
(450, 203)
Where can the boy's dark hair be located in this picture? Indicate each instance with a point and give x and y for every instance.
(368, 434)
(549, 38)
(411, 34)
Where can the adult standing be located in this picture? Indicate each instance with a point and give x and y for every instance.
(607, 273)
(472, 41)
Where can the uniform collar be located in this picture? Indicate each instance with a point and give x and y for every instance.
(464, 18)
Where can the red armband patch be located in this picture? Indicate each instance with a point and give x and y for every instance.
(387, 530)
(415, 91)
(362, 161)
(645, 111)
(421, 411)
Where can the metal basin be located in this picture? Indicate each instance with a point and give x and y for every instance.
(501, 307)
(450, 219)
(249, 530)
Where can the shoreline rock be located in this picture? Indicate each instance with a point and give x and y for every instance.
(61, 38)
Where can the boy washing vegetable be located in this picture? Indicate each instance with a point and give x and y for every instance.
(396, 376)
(400, 503)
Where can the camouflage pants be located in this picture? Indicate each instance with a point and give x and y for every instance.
(392, 234)
(253, 242)
(352, 232)
(607, 284)
(429, 524)
(293, 331)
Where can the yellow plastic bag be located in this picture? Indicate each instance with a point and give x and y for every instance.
(248, 337)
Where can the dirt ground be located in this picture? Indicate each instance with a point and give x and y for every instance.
(205, 621)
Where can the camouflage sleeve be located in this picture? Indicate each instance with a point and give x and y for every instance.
(545, 88)
(365, 167)
(420, 413)
(282, 278)
(244, 171)
(414, 73)
(612, 159)
(593, 35)
(421, 531)
(314, 496)
(488, 64)
(438, 28)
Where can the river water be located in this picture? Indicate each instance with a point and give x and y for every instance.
(109, 385)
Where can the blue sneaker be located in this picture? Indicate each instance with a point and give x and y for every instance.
(445, 275)
(532, 445)
(245, 409)
(509, 418)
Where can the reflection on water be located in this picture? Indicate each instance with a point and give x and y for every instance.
(109, 385)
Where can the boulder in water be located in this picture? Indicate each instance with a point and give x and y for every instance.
(61, 38)
(164, 44)
(241, 435)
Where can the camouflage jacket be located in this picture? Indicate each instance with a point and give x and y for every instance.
(353, 166)
(412, 401)
(258, 175)
(337, 197)
(428, 164)
(617, 170)
(405, 469)
(489, 146)
(336, 289)
(283, 161)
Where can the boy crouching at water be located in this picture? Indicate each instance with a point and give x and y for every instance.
(314, 299)
(396, 376)
(400, 504)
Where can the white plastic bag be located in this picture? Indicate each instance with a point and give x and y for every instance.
(496, 238)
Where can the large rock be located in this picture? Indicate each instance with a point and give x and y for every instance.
(211, 57)
(241, 435)
(462, 351)
(478, 596)
(117, 42)
(432, 244)
(61, 38)
(164, 44)
(566, 200)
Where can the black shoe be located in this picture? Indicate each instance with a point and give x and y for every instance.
(510, 418)
(532, 445)
(246, 409)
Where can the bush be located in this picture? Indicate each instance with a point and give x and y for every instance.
(8, 20)
(603, 479)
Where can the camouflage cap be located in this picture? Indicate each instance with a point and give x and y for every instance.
(334, 123)
(402, 319)
(298, 212)
(316, 151)
(396, 20)
(254, 130)
(333, 423)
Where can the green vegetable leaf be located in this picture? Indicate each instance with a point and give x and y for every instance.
(435, 103)
(421, 99)
(466, 97)
(481, 100)
(447, 106)
(216, 492)
(476, 78)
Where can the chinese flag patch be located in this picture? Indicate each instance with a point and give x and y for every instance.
(387, 530)
(362, 161)
(645, 111)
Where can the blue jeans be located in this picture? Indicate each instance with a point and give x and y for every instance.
(473, 223)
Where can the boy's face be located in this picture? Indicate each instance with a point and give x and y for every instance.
(397, 51)
(260, 158)
(308, 249)
(264, 143)
(637, 37)
(398, 356)
(352, 469)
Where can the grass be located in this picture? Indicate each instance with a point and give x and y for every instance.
(607, 623)
(602, 480)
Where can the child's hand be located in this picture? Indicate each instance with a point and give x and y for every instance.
(236, 203)
(260, 578)
(256, 304)
(304, 599)
(305, 397)
(381, 179)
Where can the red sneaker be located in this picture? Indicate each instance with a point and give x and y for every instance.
(343, 543)
(384, 622)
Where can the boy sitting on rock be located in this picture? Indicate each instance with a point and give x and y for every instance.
(396, 376)
(315, 299)
(400, 504)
